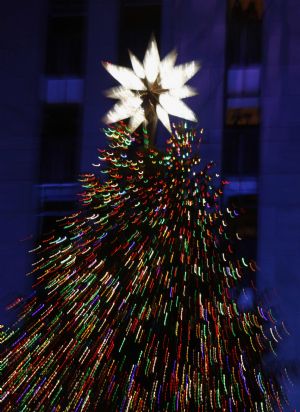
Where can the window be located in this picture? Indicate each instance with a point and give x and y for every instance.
(65, 46)
(57, 200)
(245, 224)
(63, 90)
(67, 7)
(138, 20)
(240, 150)
(242, 116)
(52, 212)
(242, 88)
(244, 33)
(59, 141)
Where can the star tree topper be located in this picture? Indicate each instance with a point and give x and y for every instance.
(152, 90)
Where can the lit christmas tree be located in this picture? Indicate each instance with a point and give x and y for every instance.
(133, 302)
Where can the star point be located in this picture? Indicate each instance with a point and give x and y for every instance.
(152, 90)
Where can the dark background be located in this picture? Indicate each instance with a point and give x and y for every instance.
(51, 89)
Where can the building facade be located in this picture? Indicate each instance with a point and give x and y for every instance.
(248, 104)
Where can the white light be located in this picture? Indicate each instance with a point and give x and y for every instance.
(168, 62)
(177, 76)
(125, 77)
(176, 107)
(151, 79)
(151, 62)
(137, 119)
(119, 92)
(137, 66)
(123, 109)
(163, 117)
(183, 92)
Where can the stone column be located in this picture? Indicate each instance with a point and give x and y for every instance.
(22, 33)
(279, 194)
(102, 45)
(197, 31)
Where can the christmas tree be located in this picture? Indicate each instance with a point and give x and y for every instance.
(133, 304)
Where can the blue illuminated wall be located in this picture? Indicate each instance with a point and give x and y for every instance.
(279, 214)
(22, 44)
(198, 29)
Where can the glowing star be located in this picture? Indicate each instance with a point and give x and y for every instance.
(152, 90)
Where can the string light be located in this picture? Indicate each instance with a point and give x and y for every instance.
(133, 306)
